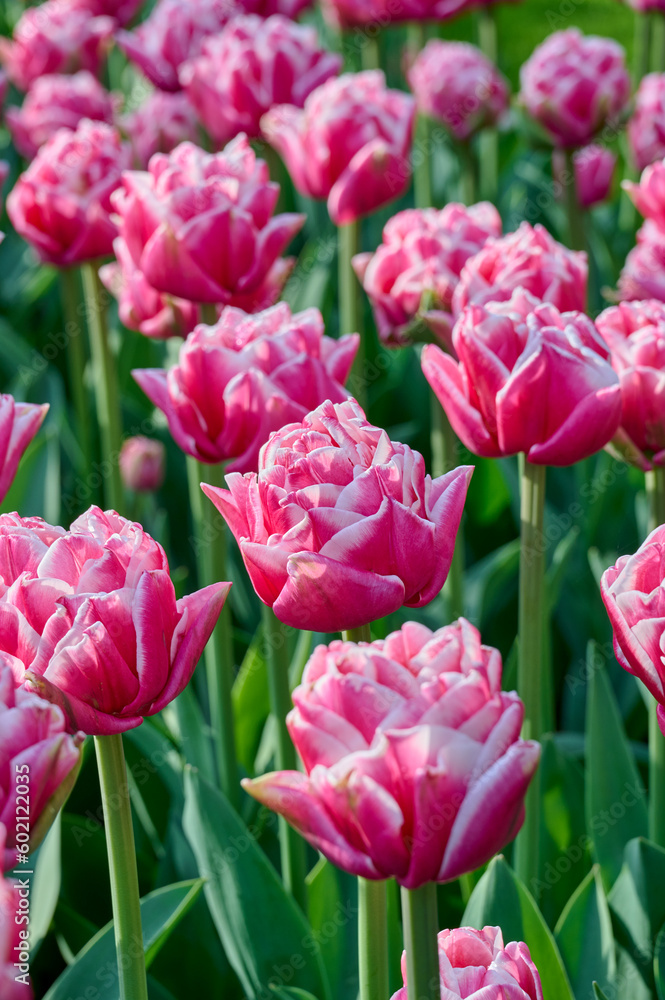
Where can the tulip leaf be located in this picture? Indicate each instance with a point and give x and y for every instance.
(45, 888)
(584, 935)
(637, 902)
(96, 963)
(659, 964)
(615, 798)
(194, 733)
(251, 703)
(242, 889)
(598, 993)
(500, 899)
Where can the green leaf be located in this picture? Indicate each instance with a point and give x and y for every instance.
(556, 573)
(489, 584)
(616, 809)
(96, 963)
(501, 899)
(584, 936)
(333, 918)
(194, 733)
(598, 993)
(264, 933)
(637, 901)
(659, 964)
(251, 702)
(45, 887)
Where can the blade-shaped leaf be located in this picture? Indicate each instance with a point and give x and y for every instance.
(585, 938)
(637, 902)
(659, 964)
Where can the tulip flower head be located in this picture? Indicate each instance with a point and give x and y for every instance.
(19, 422)
(142, 464)
(643, 274)
(160, 124)
(341, 525)
(594, 169)
(414, 766)
(649, 194)
(646, 126)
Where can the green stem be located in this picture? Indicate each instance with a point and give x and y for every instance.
(371, 53)
(360, 634)
(291, 845)
(573, 208)
(351, 305)
(372, 940)
(655, 485)
(641, 46)
(444, 459)
(105, 384)
(122, 868)
(488, 41)
(421, 925)
(530, 651)
(467, 173)
(76, 360)
(208, 313)
(422, 153)
(657, 41)
(488, 140)
(210, 541)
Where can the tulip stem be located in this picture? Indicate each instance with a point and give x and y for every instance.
(371, 52)
(122, 867)
(351, 304)
(373, 939)
(421, 926)
(655, 484)
(361, 634)
(530, 664)
(467, 172)
(208, 313)
(291, 845)
(422, 151)
(76, 359)
(573, 209)
(641, 46)
(105, 383)
(210, 543)
(657, 41)
(444, 459)
(488, 140)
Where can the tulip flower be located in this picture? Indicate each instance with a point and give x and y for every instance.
(573, 84)
(415, 271)
(55, 102)
(243, 378)
(142, 464)
(36, 752)
(346, 14)
(251, 66)
(290, 8)
(477, 966)
(200, 226)
(530, 259)
(350, 144)
(160, 124)
(341, 526)
(11, 940)
(643, 274)
(121, 10)
(89, 619)
(646, 126)
(457, 85)
(54, 38)
(594, 169)
(19, 422)
(649, 194)
(529, 379)
(140, 306)
(61, 204)
(414, 767)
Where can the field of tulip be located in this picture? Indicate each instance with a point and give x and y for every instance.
(332, 500)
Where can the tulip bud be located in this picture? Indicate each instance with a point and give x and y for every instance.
(142, 464)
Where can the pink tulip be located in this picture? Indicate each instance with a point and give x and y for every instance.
(646, 126)
(529, 379)
(200, 226)
(54, 37)
(643, 274)
(635, 335)
(55, 102)
(416, 269)
(61, 204)
(142, 464)
(290, 8)
(4, 86)
(140, 306)
(594, 169)
(476, 965)
(459, 86)
(530, 259)
(573, 84)
(342, 526)
(414, 766)
(247, 376)
(251, 66)
(13, 937)
(376, 14)
(19, 422)
(160, 124)
(646, 5)
(350, 144)
(122, 10)
(649, 194)
(173, 33)
(89, 619)
(36, 753)
(634, 597)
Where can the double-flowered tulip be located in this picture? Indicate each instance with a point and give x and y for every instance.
(200, 226)
(19, 422)
(476, 965)
(142, 464)
(350, 144)
(648, 194)
(341, 525)
(643, 274)
(457, 85)
(158, 125)
(593, 168)
(243, 378)
(573, 84)
(635, 335)
(528, 258)
(646, 126)
(414, 766)
(54, 37)
(61, 204)
(529, 379)
(416, 269)
(12, 942)
(634, 597)
(121, 10)
(89, 619)
(37, 754)
(380, 13)
(249, 67)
